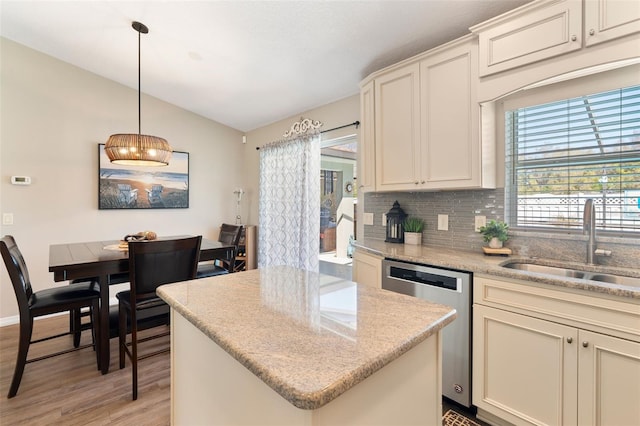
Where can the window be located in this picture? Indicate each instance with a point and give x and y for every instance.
(561, 153)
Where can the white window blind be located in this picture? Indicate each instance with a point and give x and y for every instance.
(561, 153)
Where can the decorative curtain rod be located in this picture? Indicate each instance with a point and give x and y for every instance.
(355, 123)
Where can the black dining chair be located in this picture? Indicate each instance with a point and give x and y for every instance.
(229, 234)
(32, 304)
(151, 264)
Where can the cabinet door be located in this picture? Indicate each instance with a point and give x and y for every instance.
(545, 30)
(367, 269)
(397, 124)
(450, 115)
(609, 19)
(366, 147)
(524, 369)
(609, 380)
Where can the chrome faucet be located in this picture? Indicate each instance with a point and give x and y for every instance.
(589, 225)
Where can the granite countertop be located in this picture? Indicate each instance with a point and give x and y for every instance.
(308, 336)
(491, 265)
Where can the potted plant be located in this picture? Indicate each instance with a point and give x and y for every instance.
(413, 227)
(495, 233)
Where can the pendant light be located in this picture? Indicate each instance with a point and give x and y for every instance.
(138, 149)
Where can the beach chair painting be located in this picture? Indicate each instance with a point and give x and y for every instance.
(126, 195)
(154, 195)
(128, 187)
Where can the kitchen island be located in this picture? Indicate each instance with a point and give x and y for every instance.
(283, 346)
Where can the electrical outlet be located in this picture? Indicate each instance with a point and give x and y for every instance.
(7, 218)
(368, 218)
(480, 222)
(443, 222)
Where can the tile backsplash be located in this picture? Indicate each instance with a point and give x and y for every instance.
(460, 206)
(463, 206)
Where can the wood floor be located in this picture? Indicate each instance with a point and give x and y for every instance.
(69, 389)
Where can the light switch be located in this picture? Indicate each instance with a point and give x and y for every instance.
(480, 222)
(443, 222)
(384, 219)
(368, 219)
(7, 218)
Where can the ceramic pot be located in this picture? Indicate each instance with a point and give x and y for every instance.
(495, 243)
(413, 238)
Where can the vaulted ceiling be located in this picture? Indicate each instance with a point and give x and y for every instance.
(242, 63)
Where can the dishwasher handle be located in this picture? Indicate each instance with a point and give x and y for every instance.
(424, 278)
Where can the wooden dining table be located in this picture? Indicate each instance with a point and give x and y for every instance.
(103, 260)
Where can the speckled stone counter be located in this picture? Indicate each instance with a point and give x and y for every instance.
(492, 265)
(309, 337)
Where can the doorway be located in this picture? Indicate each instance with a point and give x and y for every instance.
(338, 194)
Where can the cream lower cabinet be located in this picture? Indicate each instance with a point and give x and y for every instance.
(533, 371)
(367, 269)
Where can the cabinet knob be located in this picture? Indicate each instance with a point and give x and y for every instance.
(422, 181)
(592, 32)
(574, 37)
(585, 344)
(416, 182)
(569, 339)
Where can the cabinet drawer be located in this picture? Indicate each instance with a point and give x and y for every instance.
(555, 28)
(600, 314)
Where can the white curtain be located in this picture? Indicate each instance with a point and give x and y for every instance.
(289, 205)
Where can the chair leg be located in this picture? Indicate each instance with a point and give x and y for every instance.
(26, 329)
(76, 316)
(134, 355)
(95, 331)
(122, 332)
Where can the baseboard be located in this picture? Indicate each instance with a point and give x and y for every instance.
(9, 320)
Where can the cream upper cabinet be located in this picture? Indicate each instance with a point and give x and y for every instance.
(427, 131)
(549, 28)
(397, 129)
(544, 355)
(610, 19)
(366, 148)
(536, 31)
(452, 151)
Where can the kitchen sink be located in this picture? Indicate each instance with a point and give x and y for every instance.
(574, 273)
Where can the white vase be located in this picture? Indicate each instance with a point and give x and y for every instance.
(413, 238)
(495, 243)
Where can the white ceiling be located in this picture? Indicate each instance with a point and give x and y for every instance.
(242, 63)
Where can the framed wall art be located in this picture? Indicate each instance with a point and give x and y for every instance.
(137, 187)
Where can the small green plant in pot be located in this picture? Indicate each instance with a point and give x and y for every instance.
(495, 233)
(413, 227)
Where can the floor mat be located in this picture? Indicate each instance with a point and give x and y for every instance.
(451, 418)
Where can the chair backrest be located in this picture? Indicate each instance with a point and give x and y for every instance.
(17, 269)
(157, 262)
(230, 234)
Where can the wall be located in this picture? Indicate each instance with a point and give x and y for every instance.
(332, 115)
(52, 117)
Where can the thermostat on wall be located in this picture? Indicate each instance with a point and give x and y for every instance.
(21, 180)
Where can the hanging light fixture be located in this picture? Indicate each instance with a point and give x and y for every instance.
(138, 149)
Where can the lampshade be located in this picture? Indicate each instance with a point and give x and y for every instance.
(138, 150)
(133, 149)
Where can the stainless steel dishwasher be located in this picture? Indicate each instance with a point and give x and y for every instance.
(447, 287)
